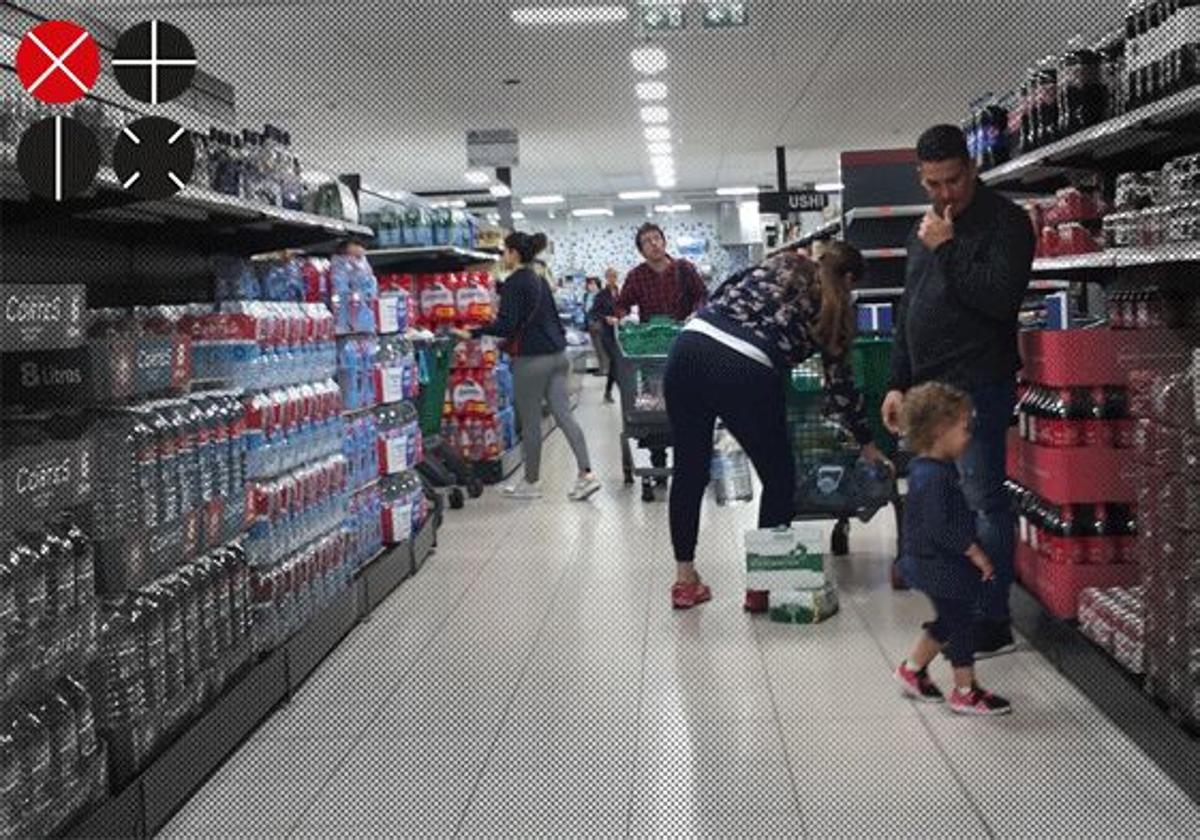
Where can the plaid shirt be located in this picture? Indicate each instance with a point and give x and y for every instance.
(660, 294)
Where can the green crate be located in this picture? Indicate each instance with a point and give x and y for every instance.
(871, 359)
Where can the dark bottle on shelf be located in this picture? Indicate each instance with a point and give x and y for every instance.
(1080, 91)
(1187, 52)
(1029, 112)
(1135, 46)
(1097, 430)
(993, 131)
(1047, 102)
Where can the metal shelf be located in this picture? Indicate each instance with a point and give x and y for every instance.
(1078, 262)
(1141, 128)
(256, 227)
(901, 211)
(825, 231)
(890, 291)
(416, 259)
(1117, 258)
(885, 253)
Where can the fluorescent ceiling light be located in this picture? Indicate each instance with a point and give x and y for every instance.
(662, 164)
(500, 190)
(477, 177)
(584, 212)
(655, 114)
(651, 91)
(659, 148)
(830, 187)
(518, 216)
(456, 203)
(649, 60)
(568, 15)
(532, 200)
(666, 181)
(737, 191)
(672, 208)
(657, 133)
(638, 195)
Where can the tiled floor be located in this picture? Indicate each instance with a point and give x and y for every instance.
(532, 681)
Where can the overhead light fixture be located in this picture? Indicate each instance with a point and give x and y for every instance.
(568, 15)
(666, 181)
(639, 195)
(651, 91)
(500, 190)
(737, 191)
(662, 164)
(477, 177)
(518, 216)
(657, 133)
(672, 208)
(454, 203)
(659, 148)
(585, 212)
(534, 200)
(655, 114)
(649, 60)
(833, 186)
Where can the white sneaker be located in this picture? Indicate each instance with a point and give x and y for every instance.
(523, 490)
(583, 490)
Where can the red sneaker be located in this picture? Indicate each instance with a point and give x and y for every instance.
(979, 703)
(684, 596)
(918, 685)
(757, 601)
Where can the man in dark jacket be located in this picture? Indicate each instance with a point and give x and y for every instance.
(968, 269)
(604, 307)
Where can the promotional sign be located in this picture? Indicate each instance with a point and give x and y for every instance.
(792, 201)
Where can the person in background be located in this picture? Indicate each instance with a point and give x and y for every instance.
(603, 309)
(731, 362)
(594, 327)
(969, 263)
(941, 555)
(661, 285)
(528, 321)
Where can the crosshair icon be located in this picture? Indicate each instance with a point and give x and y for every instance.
(58, 61)
(58, 157)
(154, 61)
(154, 157)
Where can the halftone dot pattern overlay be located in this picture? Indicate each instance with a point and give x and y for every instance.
(532, 679)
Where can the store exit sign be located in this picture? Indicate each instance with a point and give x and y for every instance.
(663, 16)
(720, 15)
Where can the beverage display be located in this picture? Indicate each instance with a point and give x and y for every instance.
(477, 417)
(405, 508)
(356, 374)
(1115, 619)
(295, 508)
(401, 447)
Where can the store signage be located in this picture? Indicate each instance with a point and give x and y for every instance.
(792, 201)
(719, 14)
(40, 480)
(41, 317)
(663, 16)
(491, 148)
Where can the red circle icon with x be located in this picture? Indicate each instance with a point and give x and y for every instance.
(58, 61)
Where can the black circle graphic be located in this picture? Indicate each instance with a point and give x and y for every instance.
(154, 61)
(154, 157)
(58, 158)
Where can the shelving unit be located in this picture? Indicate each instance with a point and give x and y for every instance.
(436, 258)
(884, 253)
(903, 211)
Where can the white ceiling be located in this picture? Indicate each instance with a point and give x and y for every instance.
(389, 89)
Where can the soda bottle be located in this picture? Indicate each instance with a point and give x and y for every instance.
(1046, 99)
(82, 707)
(31, 741)
(59, 719)
(30, 579)
(167, 448)
(153, 630)
(58, 560)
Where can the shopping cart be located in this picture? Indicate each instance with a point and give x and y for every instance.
(443, 467)
(641, 364)
(831, 481)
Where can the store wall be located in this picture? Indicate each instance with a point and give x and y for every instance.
(589, 246)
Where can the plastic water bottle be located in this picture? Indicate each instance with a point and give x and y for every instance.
(730, 471)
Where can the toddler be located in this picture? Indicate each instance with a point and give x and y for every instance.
(940, 555)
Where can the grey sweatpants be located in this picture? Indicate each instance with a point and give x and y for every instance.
(538, 378)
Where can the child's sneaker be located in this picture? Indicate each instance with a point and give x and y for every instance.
(918, 685)
(978, 702)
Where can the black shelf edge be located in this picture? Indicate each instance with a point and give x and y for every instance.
(171, 780)
(387, 571)
(443, 257)
(1113, 690)
(119, 816)
(423, 543)
(313, 642)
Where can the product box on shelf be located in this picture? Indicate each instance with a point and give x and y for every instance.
(1085, 474)
(1075, 533)
(138, 354)
(405, 508)
(1058, 585)
(401, 444)
(1091, 357)
(1115, 620)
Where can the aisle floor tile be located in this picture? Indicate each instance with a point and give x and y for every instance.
(533, 680)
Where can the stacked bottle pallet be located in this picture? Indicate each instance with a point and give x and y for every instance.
(1168, 488)
(1068, 467)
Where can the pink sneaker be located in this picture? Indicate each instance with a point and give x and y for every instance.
(918, 685)
(978, 702)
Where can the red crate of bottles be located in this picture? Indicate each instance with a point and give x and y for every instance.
(1078, 475)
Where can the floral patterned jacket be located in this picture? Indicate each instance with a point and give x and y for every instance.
(750, 306)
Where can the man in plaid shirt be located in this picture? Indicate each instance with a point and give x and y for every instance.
(661, 285)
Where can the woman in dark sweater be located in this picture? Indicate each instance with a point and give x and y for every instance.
(528, 321)
(730, 362)
(603, 308)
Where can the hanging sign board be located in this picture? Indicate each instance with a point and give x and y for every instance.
(492, 148)
(792, 201)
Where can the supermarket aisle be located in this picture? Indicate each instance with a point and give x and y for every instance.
(532, 680)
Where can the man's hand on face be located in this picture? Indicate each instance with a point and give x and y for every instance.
(936, 230)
